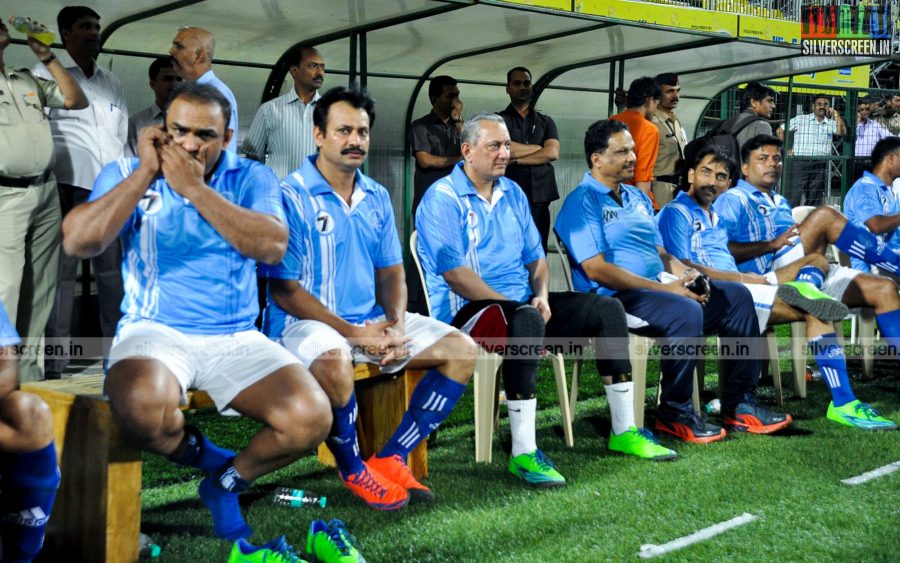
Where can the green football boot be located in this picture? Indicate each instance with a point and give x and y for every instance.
(859, 415)
(536, 469)
(808, 298)
(331, 543)
(276, 551)
(640, 442)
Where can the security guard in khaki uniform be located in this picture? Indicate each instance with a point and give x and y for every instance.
(29, 204)
(671, 140)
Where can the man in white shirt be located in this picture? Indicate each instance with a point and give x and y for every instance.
(84, 141)
(163, 79)
(192, 52)
(813, 133)
(281, 135)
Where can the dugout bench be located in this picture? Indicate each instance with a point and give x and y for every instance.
(97, 514)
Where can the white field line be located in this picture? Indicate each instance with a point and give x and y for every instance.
(874, 474)
(651, 550)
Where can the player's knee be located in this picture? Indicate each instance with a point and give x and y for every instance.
(526, 322)
(30, 417)
(687, 319)
(462, 353)
(883, 291)
(303, 421)
(333, 371)
(140, 416)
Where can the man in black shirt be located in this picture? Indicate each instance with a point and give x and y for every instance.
(535, 144)
(435, 137)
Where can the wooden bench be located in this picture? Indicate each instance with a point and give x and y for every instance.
(97, 514)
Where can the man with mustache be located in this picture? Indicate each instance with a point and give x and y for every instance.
(339, 296)
(757, 109)
(85, 140)
(692, 232)
(281, 135)
(763, 237)
(163, 80)
(812, 137)
(672, 139)
(192, 52)
(615, 249)
(194, 220)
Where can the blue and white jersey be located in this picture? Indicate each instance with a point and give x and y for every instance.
(749, 215)
(334, 248)
(690, 233)
(177, 269)
(8, 334)
(592, 222)
(495, 239)
(867, 198)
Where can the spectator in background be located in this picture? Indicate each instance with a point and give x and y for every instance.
(641, 101)
(535, 144)
(163, 79)
(757, 107)
(29, 203)
(808, 174)
(868, 131)
(85, 140)
(672, 139)
(872, 203)
(281, 134)
(434, 138)
(889, 114)
(192, 51)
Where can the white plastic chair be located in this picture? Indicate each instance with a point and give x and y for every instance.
(485, 381)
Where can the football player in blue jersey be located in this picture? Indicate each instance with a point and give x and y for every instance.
(615, 249)
(692, 232)
(763, 237)
(28, 470)
(339, 296)
(194, 220)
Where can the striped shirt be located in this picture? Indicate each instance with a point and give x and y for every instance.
(691, 233)
(178, 270)
(870, 197)
(334, 249)
(281, 134)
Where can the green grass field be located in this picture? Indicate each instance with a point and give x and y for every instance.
(611, 505)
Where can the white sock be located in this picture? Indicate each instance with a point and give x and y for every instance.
(521, 424)
(621, 405)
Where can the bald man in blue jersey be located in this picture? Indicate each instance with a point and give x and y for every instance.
(194, 219)
(339, 296)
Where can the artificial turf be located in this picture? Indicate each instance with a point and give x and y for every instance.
(611, 504)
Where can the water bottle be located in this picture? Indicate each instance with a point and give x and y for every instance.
(148, 549)
(298, 498)
(713, 407)
(32, 28)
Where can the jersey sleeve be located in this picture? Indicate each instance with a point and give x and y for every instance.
(675, 230)
(438, 223)
(862, 203)
(291, 265)
(111, 176)
(261, 192)
(390, 252)
(580, 227)
(731, 215)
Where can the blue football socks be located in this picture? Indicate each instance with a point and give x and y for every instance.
(342, 440)
(862, 244)
(431, 402)
(30, 481)
(830, 358)
(889, 325)
(811, 274)
(219, 491)
(196, 450)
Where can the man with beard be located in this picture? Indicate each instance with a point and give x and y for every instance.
(85, 140)
(281, 135)
(535, 145)
(763, 237)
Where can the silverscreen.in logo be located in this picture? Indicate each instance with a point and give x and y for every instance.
(842, 27)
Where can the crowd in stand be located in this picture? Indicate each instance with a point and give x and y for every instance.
(666, 238)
